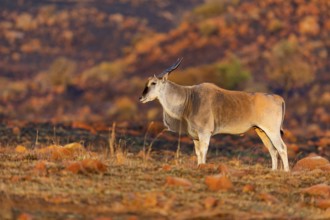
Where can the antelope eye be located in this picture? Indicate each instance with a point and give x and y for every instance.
(153, 83)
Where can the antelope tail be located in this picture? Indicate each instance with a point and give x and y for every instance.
(283, 113)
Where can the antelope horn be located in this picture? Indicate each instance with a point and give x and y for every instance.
(171, 68)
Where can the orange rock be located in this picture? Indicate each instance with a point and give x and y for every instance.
(218, 182)
(322, 203)
(167, 167)
(248, 188)
(310, 163)
(24, 216)
(150, 199)
(60, 153)
(87, 166)
(322, 190)
(40, 168)
(207, 166)
(210, 202)
(74, 167)
(20, 149)
(93, 165)
(177, 181)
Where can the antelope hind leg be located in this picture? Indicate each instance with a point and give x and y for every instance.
(280, 147)
(272, 151)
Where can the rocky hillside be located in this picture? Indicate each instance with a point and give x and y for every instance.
(99, 55)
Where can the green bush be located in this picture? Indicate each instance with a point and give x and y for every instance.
(231, 74)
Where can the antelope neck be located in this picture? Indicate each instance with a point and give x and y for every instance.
(173, 99)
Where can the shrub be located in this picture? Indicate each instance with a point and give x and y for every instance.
(103, 72)
(212, 8)
(231, 74)
(10, 90)
(275, 25)
(287, 67)
(61, 71)
(26, 22)
(123, 109)
(228, 73)
(207, 29)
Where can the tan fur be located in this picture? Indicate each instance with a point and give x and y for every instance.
(205, 110)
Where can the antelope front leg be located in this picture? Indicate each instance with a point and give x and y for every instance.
(198, 152)
(204, 141)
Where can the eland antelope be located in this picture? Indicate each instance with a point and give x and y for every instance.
(204, 110)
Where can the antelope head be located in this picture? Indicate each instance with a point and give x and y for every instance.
(155, 84)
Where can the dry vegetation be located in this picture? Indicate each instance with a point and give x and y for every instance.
(91, 185)
(132, 176)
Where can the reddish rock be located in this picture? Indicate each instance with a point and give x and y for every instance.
(310, 163)
(87, 166)
(207, 166)
(210, 202)
(40, 168)
(25, 216)
(166, 167)
(322, 203)
(20, 149)
(218, 182)
(177, 181)
(322, 190)
(248, 188)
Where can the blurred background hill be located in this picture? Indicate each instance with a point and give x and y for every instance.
(68, 61)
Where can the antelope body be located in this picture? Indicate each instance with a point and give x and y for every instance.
(204, 110)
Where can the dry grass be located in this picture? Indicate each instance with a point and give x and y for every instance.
(45, 188)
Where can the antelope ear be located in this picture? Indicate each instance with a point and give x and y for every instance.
(164, 78)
